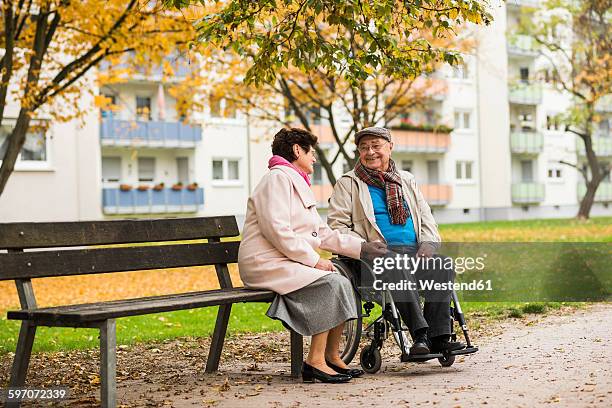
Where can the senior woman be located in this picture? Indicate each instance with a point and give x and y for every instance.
(281, 235)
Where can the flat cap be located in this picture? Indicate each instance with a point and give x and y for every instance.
(373, 131)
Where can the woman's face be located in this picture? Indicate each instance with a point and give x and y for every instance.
(305, 159)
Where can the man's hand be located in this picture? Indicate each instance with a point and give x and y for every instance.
(426, 250)
(325, 265)
(370, 250)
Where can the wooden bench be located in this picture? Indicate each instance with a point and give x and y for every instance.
(55, 257)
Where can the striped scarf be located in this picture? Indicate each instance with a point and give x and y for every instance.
(391, 182)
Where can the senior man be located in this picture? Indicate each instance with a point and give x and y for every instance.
(376, 201)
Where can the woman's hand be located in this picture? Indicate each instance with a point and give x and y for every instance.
(325, 265)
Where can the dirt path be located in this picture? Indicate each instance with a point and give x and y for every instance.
(561, 360)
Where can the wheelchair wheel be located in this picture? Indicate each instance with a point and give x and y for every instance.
(446, 360)
(352, 329)
(370, 359)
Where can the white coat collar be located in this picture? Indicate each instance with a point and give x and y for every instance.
(301, 187)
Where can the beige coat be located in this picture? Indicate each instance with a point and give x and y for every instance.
(351, 210)
(282, 233)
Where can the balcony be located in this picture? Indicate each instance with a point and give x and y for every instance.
(421, 141)
(602, 145)
(167, 200)
(522, 46)
(172, 69)
(525, 93)
(527, 193)
(436, 194)
(526, 142)
(114, 132)
(602, 195)
(322, 192)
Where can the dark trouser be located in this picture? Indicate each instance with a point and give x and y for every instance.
(435, 316)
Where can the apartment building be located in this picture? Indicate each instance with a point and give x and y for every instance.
(487, 146)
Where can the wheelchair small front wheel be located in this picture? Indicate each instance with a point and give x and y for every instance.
(370, 359)
(446, 360)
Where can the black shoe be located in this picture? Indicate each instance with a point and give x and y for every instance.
(353, 372)
(420, 345)
(442, 343)
(310, 374)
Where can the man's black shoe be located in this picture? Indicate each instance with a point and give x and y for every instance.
(420, 346)
(442, 343)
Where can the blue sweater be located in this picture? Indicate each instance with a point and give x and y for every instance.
(394, 234)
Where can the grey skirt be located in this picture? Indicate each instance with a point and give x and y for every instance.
(316, 308)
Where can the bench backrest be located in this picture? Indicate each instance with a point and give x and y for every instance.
(54, 257)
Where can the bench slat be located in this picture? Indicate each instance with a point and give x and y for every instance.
(40, 264)
(81, 314)
(84, 233)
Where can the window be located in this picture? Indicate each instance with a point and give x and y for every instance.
(182, 169)
(463, 119)
(314, 115)
(35, 148)
(527, 171)
(463, 170)
(111, 169)
(222, 108)
(552, 122)
(524, 72)
(433, 176)
(407, 165)
(461, 71)
(226, 170)
(143, 108)
(146, 169)
(107, 111)
(554, 173)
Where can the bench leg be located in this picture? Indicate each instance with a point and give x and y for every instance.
(108, 363)
(216, 346)
(22, 357)
(297, 354)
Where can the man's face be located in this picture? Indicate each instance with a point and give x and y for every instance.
(375, 152)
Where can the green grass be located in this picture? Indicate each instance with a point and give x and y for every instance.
(245, 317)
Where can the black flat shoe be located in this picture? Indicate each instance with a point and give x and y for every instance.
(446, 345)
(353, 372)
(310, 374)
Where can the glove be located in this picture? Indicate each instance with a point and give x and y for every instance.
(370, 250)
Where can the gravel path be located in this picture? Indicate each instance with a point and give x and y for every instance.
(559, 360)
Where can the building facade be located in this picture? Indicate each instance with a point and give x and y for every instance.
(486, 147)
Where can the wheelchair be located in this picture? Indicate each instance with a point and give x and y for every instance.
(388, 323)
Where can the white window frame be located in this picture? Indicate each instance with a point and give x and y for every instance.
(554, 169)
(33, 165)
(225, 182)
(460, 127)
(461, 177)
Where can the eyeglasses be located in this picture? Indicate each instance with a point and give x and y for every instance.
(363, 148)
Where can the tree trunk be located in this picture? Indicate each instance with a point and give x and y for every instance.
(16, 141)
(587, 201)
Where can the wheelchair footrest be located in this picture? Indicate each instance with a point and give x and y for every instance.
(467, 350)
(417, 358)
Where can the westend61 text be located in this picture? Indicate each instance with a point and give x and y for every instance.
(433, 285)
(412, 264)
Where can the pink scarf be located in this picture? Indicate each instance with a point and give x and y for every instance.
(281, 161)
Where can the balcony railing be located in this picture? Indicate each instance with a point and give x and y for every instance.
(420, 141)
(527, 193)
(114, 132)
(436, 194)
(525, 93)
(522, 45)
(167, 200)
(602, 195)
(526, 142)
(602, 145)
